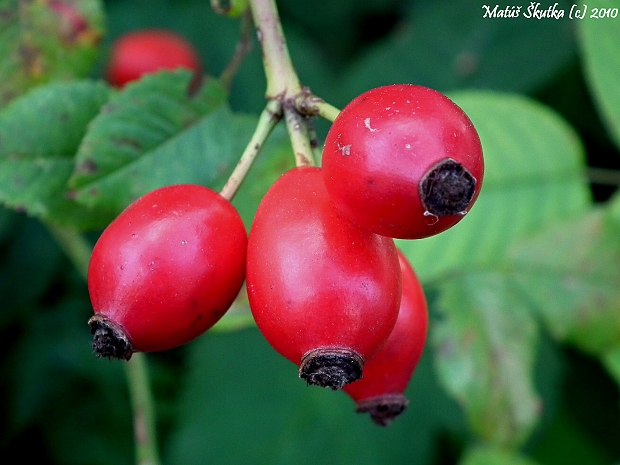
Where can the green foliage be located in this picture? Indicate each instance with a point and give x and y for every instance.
(599, 40)
(448, 44)
(520, 289)
(40, 133)
(575, 294)
(534, 176)
(485, 342)
(46, 41)
(491, 456)
(154, 134)
(281, 420)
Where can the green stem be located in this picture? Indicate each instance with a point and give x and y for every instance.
(300, 137)
(267, 121)
(74, 245)
(314, 106)
(143, 411)
(244, 46)
(79, 250)
(314, 139)
(282, 80)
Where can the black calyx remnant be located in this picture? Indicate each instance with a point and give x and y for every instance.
(447, 188)
(109, 339)
(331, 368)
(383, 409)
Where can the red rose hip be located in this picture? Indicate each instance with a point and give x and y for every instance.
(146, 51)
(403, 161)
(386, 376)
(323, 292)
(165, 270)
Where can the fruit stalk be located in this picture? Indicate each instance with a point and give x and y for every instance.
(299, 134)
(282, 81)
(268, 119)
(73, 244)
(243, 48)
(143, 412)
(78, 250)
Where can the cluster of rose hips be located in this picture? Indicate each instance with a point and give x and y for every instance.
(326, 284)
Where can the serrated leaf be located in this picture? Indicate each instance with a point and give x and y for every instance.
(145, 115)
(534, 176)
(483, 455)
(205, 155)
(570, 274)
(485, 343)
(44, 41)
(154, 134)
(598, 39)
(39, 135)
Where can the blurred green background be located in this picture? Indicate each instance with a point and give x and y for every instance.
(227, 397)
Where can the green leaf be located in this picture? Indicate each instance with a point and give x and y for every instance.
(613, 208)
(44, 41)
(568, 440)
(569, 273)
(598, 39)
(153, 134)
(39, 135)
(534, 176)
(20, 287)
(237, 386)
(482, 455)
(54, 346)
(611, 359)
(449, 44)
(485, 344)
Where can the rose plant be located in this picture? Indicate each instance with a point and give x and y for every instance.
(167, 190)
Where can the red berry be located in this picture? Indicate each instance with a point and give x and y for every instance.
(146, 51)
(165, 270)
(324, 292)
(386, 375)
(403, 161)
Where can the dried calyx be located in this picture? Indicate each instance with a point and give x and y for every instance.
(109, 339)
(447, 188)
(331, 368)
(383, 409)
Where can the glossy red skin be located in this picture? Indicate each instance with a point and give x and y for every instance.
(390, 371)
(146, 51)
(382, 144)
(169, 266)
(314, 279)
